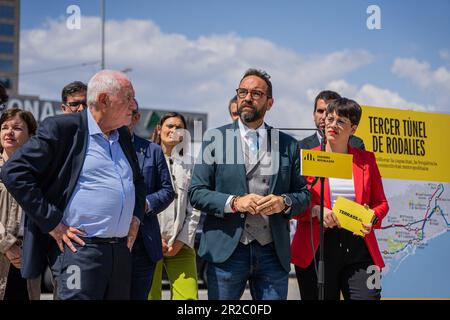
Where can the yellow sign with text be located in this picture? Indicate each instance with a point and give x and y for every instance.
(351, 215)
(326, 164)
(408, 145)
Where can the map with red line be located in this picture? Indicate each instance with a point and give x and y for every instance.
(419, 213)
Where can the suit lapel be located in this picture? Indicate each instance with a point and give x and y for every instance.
(236, 150)
(78, 152)
(358, 175)
(128, 149)
(274, 162)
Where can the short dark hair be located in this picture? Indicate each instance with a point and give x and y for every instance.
(26, 116)
(71, 88)
(156, 138)
(3, 95)
(327, 96)
(260, 74)
(232, 100)
(346, 108)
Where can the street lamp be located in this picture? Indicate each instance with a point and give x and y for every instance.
(102, 10)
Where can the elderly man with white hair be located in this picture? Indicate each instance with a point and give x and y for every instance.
(78, 181)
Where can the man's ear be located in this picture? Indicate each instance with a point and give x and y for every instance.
(103, 98)
(137, 117)
(269, 103)
(354, 127)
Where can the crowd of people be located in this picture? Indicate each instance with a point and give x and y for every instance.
(107, 210)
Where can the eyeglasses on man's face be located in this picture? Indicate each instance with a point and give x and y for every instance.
(74, 105)
(255, 94)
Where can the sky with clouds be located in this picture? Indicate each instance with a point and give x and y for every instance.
(190, 55)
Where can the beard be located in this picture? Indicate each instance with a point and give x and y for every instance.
(250, 115)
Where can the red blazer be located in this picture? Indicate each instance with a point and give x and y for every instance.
(368, 190)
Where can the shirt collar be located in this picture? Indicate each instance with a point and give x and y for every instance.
(319, 136)
(94, 129)
(243, 129)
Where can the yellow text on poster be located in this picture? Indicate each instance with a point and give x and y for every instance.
(408, 145)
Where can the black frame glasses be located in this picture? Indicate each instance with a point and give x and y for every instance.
(255, 94)
(76, 104)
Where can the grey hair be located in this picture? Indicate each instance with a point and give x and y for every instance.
(105, 81)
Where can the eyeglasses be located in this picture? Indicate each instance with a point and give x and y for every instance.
(255, 94)
(76, 104)
(329, 120)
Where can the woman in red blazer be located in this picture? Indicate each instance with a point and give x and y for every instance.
(349, 259)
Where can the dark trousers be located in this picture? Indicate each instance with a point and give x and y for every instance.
(347, 263)
(253, 263)
(97, 271)
(16, 286)
(143, 270)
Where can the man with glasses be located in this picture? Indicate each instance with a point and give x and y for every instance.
(248, 203)
(74, 97)
(79, 183)
(320, 106)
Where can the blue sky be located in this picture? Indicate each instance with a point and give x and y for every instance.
(309, 30)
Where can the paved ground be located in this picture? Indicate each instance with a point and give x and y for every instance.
(293, 293)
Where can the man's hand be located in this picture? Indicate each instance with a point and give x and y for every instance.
(63, 234)
(165, 247)
(174, 249)
(14, 255)
(132, 233)
(270, 204)
(247, 203)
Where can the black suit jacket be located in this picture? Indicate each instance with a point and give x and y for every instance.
(42, 175)
(313, 141)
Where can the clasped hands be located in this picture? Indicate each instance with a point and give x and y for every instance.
(256, 204)
(330, 220)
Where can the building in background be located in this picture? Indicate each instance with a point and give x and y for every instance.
(9, 44)
(42, 109)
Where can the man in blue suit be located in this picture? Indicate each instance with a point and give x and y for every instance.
(147, 249)
(78, 182)
(248, 181)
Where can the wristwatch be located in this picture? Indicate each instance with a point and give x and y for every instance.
(287, 202)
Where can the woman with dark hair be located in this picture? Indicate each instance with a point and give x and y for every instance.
(349, 259)
(179, 221)
(16, 127)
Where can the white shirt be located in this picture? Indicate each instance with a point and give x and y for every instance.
(341, 187)
(262, 142)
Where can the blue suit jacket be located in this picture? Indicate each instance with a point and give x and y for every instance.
(159, 190)
(213, 181)
(42, 175)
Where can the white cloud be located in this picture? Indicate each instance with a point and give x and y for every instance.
(421, 74)
(434, 83)
(171, 71)
(371, 95)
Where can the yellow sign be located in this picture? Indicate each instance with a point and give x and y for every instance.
(408, 145)
(351, 214)
(326, 164)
